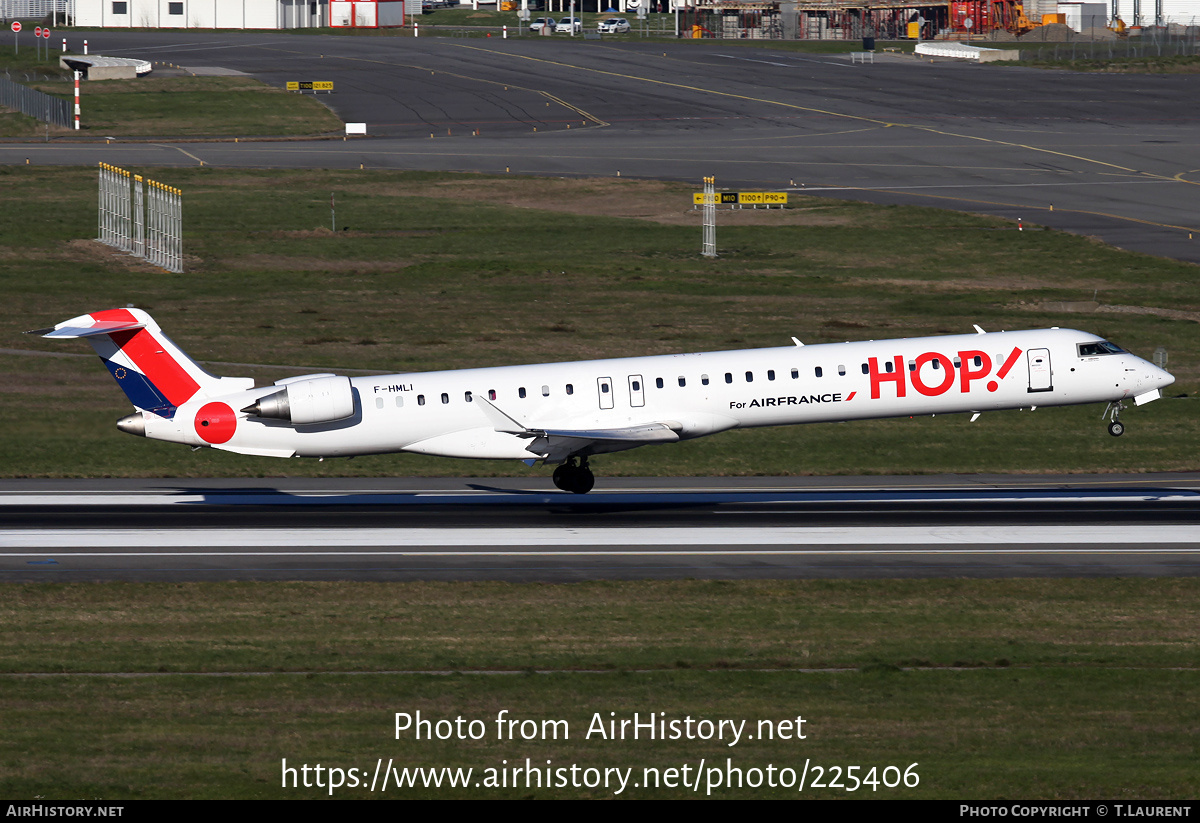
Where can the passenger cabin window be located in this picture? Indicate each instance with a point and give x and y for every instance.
(865, 369)
(937, 364)
(818, 371)
(491, 394)
(796, 374)
(749, 377)
(704, 379)
(379, 402)
(467, 397)
(570, 388)
(912, 365)
(682, 382)
(420, 400)
(445, 398)
(842, 370)
(521, 392)
(770, 374)
(728, 377)
(545, 391)
(636, 385)
(399, 401)
(658, 381)
(603, 389)
(888, 367)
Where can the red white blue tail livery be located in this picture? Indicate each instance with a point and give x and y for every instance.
(564, 413)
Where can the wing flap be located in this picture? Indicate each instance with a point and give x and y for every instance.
(649, 433)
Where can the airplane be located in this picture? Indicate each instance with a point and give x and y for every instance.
(562, 414)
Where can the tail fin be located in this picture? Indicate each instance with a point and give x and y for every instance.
(153, 372)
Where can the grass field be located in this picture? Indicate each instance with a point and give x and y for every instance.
(166, 102)
(1030, 689)
(197, 106)
(431, 271)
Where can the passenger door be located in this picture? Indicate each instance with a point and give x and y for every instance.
(1040, 375)
(637, 391)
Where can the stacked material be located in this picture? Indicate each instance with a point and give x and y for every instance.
(962, 51)
(98, 67)
(1061, 33)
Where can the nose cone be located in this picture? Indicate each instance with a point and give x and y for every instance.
(1158, 378)
(133, 424)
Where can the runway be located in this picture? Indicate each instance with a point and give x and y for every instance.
(519, 530)
(1107, 155)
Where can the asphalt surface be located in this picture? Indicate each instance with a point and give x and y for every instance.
(1115, 156)
(518, 530)
(1112, 156)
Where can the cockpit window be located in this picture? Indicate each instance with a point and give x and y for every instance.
(1100, 347)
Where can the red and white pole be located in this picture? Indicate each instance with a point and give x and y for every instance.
(85, 47)
(77, 101)
(64, 45)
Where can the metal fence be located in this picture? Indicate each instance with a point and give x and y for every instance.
(709, 236)
(1172, 41)
(164, 226)
(140, 216)
(57, 10)
(34, 103)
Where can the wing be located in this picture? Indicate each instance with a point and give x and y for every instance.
(554, 445)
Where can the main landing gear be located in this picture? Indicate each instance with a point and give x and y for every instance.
(574, 477)
(1113, 412)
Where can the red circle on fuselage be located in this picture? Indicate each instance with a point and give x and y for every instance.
(216, 423)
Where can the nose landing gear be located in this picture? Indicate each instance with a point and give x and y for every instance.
(1113, 411)
(574, 477)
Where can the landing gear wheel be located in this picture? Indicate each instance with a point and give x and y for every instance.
(1113, 412)
(584, 480)
(574, 478)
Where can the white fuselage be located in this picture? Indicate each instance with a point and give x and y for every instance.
(692, 395)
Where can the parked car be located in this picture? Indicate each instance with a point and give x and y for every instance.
(542, 23)
(614, 25)
(568, 25)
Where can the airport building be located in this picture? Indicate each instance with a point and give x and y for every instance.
(215, 14)
(734, 19)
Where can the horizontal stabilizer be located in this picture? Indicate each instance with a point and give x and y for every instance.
(86, 326)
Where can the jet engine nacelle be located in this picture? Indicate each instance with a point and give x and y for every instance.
(308, 400)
